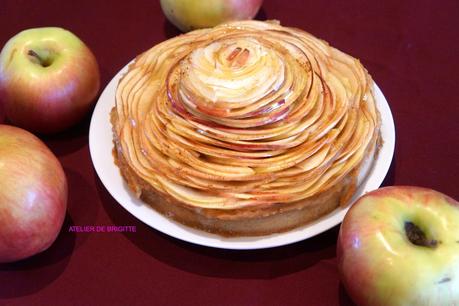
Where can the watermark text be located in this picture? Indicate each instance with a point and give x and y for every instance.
(103, 228)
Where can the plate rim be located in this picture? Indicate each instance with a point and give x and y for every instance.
(137, 208)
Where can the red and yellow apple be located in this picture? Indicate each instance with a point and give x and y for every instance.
(33, 195)
(48, 79)
(400, 246)
(189, 15)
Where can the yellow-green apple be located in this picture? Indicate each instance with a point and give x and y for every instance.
(400, 246)
(195, 14)
(33, 195)
(48, 79)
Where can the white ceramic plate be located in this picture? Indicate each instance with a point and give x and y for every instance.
(100, 145)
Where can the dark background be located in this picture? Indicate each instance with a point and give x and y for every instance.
(409, 47)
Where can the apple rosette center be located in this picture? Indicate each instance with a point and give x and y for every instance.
(232, 74)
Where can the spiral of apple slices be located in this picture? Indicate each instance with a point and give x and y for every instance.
(245, 114)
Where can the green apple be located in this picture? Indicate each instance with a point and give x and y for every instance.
(400, 246)
(195, 14)
(48, 79)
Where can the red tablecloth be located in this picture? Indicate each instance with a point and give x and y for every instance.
(409, 47)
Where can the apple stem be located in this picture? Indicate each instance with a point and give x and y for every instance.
(417, 237)
(37, 59)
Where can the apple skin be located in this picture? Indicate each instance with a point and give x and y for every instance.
(379, 265)
(33, 195)
(189, 15)
(53, 93)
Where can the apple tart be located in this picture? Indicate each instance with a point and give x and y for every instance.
(248, 128)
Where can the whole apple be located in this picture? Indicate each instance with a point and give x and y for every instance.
(33, 195)
(189, 15)
(400, 246)
(48, 79)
